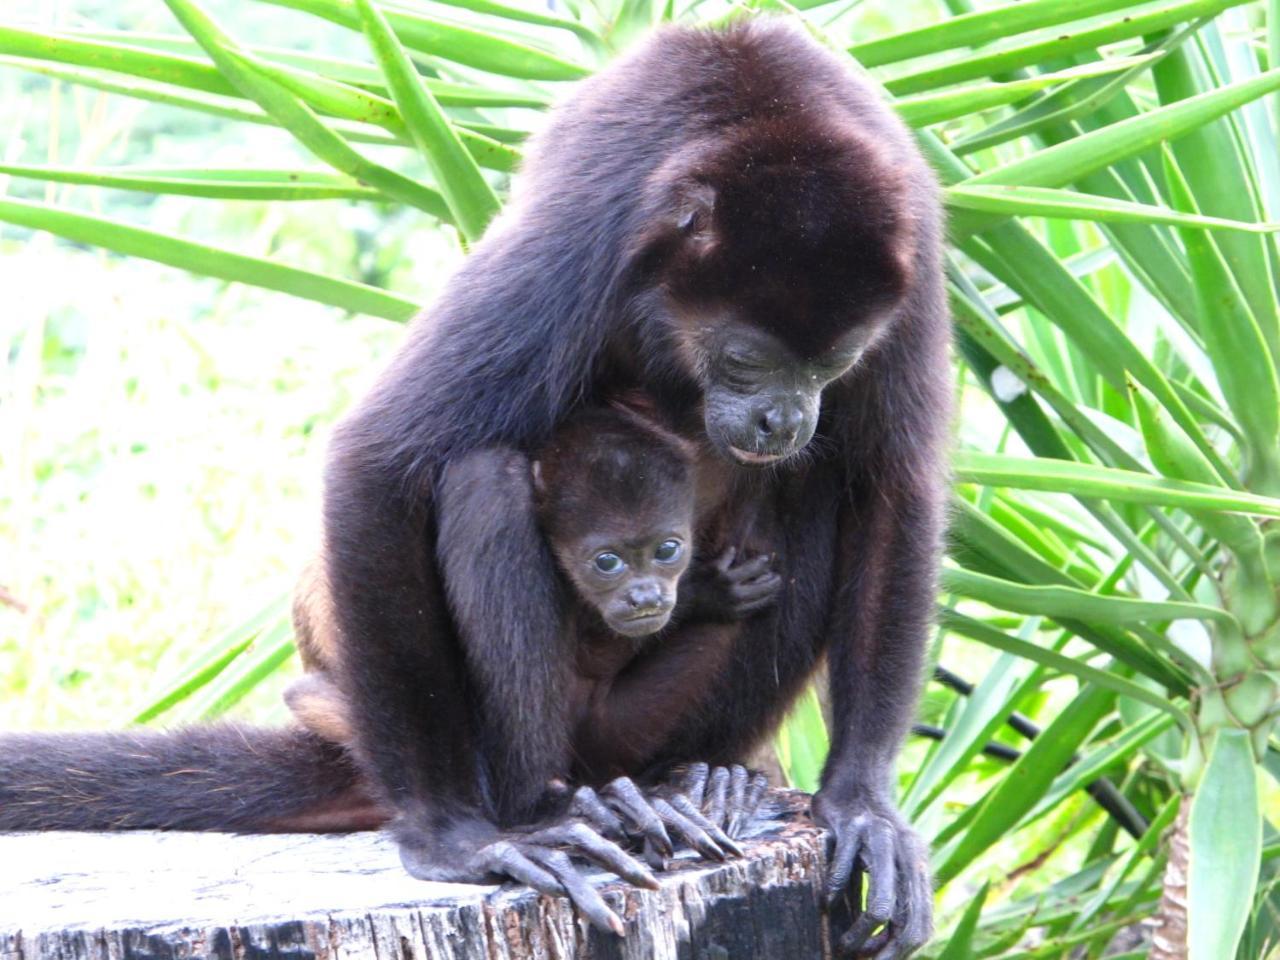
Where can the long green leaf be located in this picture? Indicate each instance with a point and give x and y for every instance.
(1027, 780)
(295, 115)
(228, 184)
(1088, 480)
(1004, 61)
(1069, 161)
(1225, 839)
(452, 42)
(520, 14)
(999, 640)
(270, 651)
(979, 27)
(1069, 205)
(213, 660)
(801, 742)
(1149, 841)
(471, 200)
(212, 104)
(1095, 763)
(206, 260)
(1058, 601)
(982, 714)
(148, 64)
(929, 108)
(960, 943)
(1235, 342)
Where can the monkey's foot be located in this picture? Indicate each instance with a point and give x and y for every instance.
(476, 852)
(729, 797)
(623, 811)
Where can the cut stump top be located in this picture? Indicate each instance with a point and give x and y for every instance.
(94, 896)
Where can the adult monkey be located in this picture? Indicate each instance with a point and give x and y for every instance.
(734, 224)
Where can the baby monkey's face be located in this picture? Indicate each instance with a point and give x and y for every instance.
(628, 570)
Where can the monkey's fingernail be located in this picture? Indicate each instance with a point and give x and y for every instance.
(615, 924)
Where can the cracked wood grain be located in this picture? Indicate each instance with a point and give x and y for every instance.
(157, 896)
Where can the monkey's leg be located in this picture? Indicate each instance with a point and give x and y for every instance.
(528, 858)
(318, 704)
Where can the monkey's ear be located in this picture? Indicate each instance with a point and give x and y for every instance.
(695, 211)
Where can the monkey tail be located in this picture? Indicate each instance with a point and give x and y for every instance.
(218, 777)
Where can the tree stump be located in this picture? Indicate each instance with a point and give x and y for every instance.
(72, 896)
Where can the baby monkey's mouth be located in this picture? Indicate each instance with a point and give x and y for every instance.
(641, 625)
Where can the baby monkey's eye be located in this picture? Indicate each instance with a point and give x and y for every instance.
(608, 562)
(668, 550)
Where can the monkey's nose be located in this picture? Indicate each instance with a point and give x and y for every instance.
(780, 425)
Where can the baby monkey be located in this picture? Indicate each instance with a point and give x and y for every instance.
(613, 493)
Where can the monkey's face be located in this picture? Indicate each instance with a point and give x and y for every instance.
(629, 576)
(764, 346)
(782, 258)
(762, 400)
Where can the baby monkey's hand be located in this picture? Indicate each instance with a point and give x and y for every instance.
(730, 588)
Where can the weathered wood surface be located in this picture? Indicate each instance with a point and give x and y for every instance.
(66, 896)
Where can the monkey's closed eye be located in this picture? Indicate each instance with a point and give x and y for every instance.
(608, 562)
(668, 551)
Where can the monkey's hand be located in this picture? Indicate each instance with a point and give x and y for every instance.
(871, 837)
(475, 851)
(730, 589)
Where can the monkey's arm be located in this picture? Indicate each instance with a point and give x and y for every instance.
(424, 667)
(507, 604)
(887, 554)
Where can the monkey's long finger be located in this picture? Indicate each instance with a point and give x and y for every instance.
(693, 834)
(752, 801)
(627, 798)
(757, 566)
(717, 796)
(586, 843)
(889, 943)
(765, 584)
(685, 806)
(738, 779)
(695, 783)
(506, 860)
(581, 893)
(848, 844)
(882, 874)
(588, 805)
(725, 560)
(913, 919)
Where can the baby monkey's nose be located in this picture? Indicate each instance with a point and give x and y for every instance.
(646, 599)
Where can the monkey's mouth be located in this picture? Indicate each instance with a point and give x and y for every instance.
(753, 458)
(641, 626)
